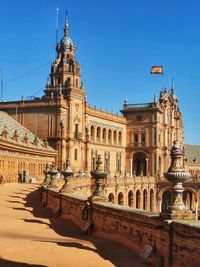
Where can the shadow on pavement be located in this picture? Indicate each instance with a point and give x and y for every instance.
(115, 252)
(4, 262)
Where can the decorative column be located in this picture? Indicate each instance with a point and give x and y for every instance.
(177, 175)
(131, 167)
(99, 175)
(67, 173)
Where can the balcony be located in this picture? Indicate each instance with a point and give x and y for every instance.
(137, 144)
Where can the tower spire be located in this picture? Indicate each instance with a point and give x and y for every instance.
(172, 89)
(66, 29)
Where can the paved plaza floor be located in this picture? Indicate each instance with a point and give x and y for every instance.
(30, 235)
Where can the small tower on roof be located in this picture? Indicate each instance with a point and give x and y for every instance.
(173, 95)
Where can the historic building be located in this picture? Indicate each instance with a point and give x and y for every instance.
(151, 130)
(135, 147)
(22, 154)
(135, 143)
(63, 116)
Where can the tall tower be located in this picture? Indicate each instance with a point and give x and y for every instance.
(64, 88)
(65, 70)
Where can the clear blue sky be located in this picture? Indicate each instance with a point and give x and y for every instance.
(117, 40)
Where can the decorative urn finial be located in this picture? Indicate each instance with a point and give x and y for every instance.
(67, 173)
(177, 175)
(99, 175)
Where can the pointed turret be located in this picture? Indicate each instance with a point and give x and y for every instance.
(66, 29)
(172, 89)
(175, 98)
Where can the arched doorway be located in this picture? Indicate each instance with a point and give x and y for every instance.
(111, 197)
(166, 199)
(145, 198)
(139, 163)
(121, 199)
(138, 199)
(130, 198)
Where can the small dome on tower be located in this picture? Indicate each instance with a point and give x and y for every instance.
(66, 40)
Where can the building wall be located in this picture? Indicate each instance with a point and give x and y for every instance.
(151, 130)
(14, 163)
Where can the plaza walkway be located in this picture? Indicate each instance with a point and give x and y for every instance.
(31, 236)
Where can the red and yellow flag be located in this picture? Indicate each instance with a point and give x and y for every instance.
(157, 70)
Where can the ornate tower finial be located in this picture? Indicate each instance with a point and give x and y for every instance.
(66, 29)
(172, 89)
(155, 99)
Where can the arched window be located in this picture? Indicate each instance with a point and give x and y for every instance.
(130, 198)
(120, 138)
(104, 135)
(138, 199)
(151, 200)
(121, 199)
(109, 136)
(140, 163)
(98, 134)
(92, 133)
(111, 198)
(135, 139)
(145, 199)
(115, 137)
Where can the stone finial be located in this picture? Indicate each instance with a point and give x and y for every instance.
(48, 82)
(99, 175)
(177, 175)
(5, 132)
(99, 164)
(35, 141)
(67, 173)
(53, 176)
(46, 144)
(16, 136)
(47, 175)
(155, 100)
(176, 158)
(82, 86)
(25, 138)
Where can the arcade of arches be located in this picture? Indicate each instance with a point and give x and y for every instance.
(146, 199)
(139, 199)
